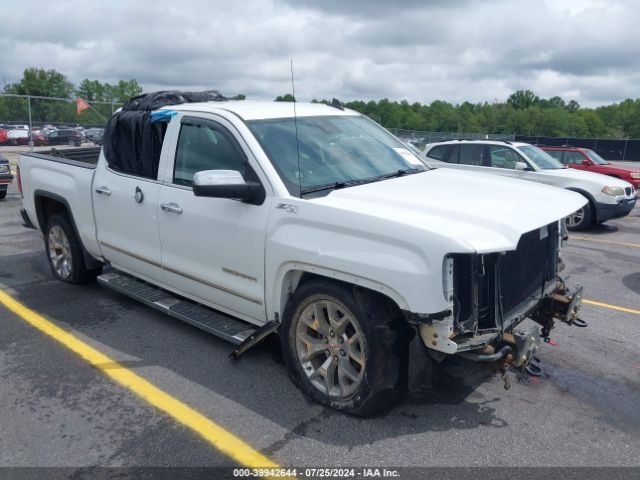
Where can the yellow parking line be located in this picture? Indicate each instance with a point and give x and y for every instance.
(612, 307)
(221, 439)
(591, 239)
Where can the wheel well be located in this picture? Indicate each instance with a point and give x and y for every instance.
(46, 207)
(589, 199)
(295, 278)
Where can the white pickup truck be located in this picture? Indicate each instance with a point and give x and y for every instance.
(246, 218)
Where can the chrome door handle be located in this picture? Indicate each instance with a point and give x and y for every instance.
(171, 207)
(103, 191)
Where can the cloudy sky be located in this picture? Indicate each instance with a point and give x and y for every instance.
(418, 50)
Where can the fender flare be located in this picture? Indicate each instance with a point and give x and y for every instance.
(89, 261)
(290, 273)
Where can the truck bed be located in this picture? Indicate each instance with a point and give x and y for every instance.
(62, 176)
(80, 157)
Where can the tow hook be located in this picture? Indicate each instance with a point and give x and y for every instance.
(505, 378)
(534, 367)
(561, 304)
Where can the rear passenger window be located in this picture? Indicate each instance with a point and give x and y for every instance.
(439, 153)
(471, 155)
(204, 147)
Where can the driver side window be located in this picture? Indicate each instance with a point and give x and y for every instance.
(205, 147)
(504, 157)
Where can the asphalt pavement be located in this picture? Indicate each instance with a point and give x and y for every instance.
(57, 410)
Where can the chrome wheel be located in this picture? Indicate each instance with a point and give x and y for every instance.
(60, 252)
(330, 347)
(576, 218)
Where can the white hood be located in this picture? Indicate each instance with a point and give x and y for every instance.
(593, 177)
(485, 212)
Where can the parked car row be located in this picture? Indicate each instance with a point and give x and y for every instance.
(608, 196)
(49, 135)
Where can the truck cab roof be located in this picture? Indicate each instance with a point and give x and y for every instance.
(262, 110)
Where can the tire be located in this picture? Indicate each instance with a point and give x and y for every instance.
(581, 219)
(64, 252)
(3, 193)
(365, 377)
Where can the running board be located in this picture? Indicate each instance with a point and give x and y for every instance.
(219, 324)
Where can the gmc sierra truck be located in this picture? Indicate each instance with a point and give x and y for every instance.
(313, 222)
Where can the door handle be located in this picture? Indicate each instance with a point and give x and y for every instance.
(103, 191)
(171, 207)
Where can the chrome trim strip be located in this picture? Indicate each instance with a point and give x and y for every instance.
(130, 254)
(241, 275)
(130, 176)
(185, 275)
(213, 285)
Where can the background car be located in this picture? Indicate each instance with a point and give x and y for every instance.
(95, 135)
(607, 197)
(39, 138)
(5, 176)
(586, 159)
(18, 137)
(65, 136)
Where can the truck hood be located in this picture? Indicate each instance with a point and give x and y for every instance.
(484, 213)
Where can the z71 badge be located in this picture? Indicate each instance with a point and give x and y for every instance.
(288, 208)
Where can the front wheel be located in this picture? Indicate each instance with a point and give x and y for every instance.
(64, 252)
(581, 219)
(341, 348)
(3, 193)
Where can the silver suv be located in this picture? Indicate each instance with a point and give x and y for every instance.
(608, 197)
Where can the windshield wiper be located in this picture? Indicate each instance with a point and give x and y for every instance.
(330, 186)
(398, 173)
(353, 183)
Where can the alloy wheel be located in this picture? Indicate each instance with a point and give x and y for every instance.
(330, 348)
(60, 252)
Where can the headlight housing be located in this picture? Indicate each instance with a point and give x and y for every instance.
(613, 191)
(635, 174)
(4, 168)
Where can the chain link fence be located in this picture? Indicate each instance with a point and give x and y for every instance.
(26, 121)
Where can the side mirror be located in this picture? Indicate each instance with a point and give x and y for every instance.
(586, 163)
(522, 166)
(224, 184)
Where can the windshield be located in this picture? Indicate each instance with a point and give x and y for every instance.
(332, 151)
(597, 159)
(541, 158)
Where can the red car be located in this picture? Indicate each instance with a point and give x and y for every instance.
(585, 159)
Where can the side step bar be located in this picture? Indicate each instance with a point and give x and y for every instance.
(219, 324)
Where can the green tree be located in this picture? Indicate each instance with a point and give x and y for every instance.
(285, 98)
(522, 99)
(43, 83)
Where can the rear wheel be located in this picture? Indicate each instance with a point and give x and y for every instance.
(64, 252)
(3, 193)
(341, 350)
(580, 219)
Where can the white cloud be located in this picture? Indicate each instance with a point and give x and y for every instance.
(414, 50)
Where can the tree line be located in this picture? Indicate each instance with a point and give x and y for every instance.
(522, 113)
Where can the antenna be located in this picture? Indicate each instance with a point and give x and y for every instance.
(295, 122)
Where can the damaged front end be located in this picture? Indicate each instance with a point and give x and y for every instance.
(491, 294)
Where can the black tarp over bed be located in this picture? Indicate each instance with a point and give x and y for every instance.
(132, 142)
